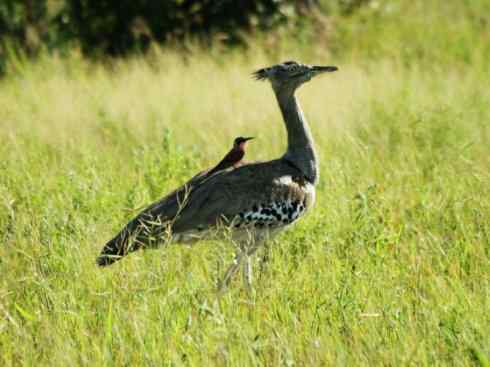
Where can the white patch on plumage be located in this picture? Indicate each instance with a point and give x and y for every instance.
(310, 191)
(285, 180)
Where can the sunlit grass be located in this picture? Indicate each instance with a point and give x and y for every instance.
(391, 267)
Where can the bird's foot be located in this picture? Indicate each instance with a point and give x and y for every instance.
(264, 260)
(230, 272)
(247, 273)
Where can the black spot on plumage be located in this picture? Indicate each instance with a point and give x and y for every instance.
(238, 225)
(242, 215)
(259, 224)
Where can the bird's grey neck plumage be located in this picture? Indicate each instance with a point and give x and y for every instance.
(301, 150)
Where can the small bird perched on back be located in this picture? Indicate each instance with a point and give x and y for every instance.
(232, 159)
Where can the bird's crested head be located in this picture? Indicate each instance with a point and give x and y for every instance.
(291, 74)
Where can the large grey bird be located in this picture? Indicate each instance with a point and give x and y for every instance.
(248, 204)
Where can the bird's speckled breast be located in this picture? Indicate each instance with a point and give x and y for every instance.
(282, 211)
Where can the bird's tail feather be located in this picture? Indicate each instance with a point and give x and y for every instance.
(109, 254)
(116, 249)
(142, 232)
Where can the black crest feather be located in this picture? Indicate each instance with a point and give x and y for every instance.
(260, 74)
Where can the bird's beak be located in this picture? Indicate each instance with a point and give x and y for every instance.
(249, 138)
(317, 69)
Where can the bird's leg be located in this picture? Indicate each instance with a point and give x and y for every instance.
(232, 269)
(266, 253)
(247, 264)
(247, 272)
(264, 259)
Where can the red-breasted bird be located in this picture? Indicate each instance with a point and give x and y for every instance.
(234, 157)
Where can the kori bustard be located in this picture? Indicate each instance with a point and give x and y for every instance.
(247, 204)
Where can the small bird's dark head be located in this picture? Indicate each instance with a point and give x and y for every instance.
(290, 75)
(240, 142)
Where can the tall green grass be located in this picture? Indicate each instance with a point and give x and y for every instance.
(391, 267)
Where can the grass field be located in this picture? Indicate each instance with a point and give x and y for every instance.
(392, 267)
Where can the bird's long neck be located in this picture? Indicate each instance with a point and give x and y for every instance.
(301, 149)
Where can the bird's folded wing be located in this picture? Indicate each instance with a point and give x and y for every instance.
(227, 194)
(204, 203)
(222, 196)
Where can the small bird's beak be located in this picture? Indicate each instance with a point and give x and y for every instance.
(317, 69)
(249, 138)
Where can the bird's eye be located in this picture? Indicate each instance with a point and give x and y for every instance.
(293, 68)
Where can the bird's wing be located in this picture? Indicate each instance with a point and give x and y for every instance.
(224, 196)
(202, 204)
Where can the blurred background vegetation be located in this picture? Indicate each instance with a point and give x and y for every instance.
(105, 106)
(118, 27)
(440, 32)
